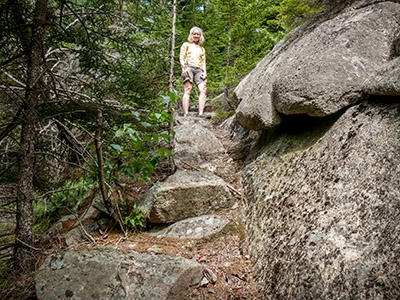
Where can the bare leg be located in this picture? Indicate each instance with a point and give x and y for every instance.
(202, 98)
(186, 96)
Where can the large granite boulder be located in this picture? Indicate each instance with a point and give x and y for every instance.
(320, 72)
(323, 206)
(185, 194)
(195, 143)
(107, 273)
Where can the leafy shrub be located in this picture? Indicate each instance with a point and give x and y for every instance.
(135, 219)
(51, 206)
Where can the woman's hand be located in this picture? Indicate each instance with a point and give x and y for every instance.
(184, 74)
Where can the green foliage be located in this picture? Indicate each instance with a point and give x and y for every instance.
(5, 268)
(136, 149)
(135, 219)
(50, 207)
(221, 115)
(294, 12)
(238, 34)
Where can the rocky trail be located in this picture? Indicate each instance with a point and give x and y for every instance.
(195, 248)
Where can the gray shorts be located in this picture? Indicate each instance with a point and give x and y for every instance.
(194, 75)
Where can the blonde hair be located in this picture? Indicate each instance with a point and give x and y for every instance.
(190, 38)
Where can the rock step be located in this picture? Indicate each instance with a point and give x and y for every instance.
(195, 143)
(183, 195)
(108, 273)
(194, 228)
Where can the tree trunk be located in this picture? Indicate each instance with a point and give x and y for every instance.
(172, 60)
(100, 165)
(171, 84)
(24, 242)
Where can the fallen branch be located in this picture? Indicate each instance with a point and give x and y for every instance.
(26, 245)
(91, 239)
(233, 189)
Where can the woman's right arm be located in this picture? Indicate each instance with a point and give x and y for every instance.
(182, 56)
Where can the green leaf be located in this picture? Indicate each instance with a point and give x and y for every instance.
(165, 136)
(147, 138)
(117, 147)
(166, 99)
(138, 145)
(172, 96)
(145, 124)
(119, 133)
(136, 115)
(164, 151)
(131, 132)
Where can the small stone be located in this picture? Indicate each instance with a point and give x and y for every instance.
(227, 278)
(155, 250)
(210, 275)
(204, 281)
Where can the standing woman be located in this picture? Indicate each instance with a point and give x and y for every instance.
(193, 62)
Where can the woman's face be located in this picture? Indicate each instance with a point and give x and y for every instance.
(196, 35)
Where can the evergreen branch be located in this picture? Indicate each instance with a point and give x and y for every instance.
(5, 234)
(8, 168)
(14, 123)
(6, 247)
(14, 79)
(9, 203)
(83, 24)
(61, 160)
(7, 61)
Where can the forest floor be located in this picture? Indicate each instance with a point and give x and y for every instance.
(226, 254)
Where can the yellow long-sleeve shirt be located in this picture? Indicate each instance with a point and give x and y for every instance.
(193, 55)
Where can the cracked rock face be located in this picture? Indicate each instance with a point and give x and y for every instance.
(107, 273)
(323, 71)
(323, 206)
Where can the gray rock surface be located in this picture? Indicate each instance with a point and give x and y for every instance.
(194, 144)
(185, 194)
(236, 131)
(194, 228)
(111, 274)
(385, 80)
(323, 206)
(321, 72)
